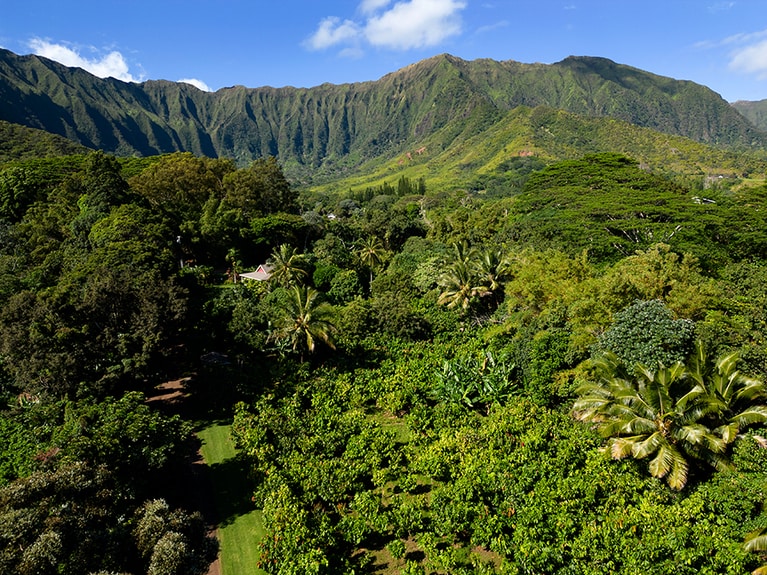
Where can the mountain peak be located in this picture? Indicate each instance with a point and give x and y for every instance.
(332, 127)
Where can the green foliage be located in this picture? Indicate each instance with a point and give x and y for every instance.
(171, 541)
(437, 439)
(109, 331)
(138, 444)
(40, 531)
(646, 333)
(547, 353)
(261, 188)
(344, 287)
(474, 279)
(71, 521)
(19, 446)
(288, 267)
(475, 382)
(22, 143)
(672, 414)
(326, 458)
(304, 321)
(604, 203)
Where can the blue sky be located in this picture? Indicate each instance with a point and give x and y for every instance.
(214, 44)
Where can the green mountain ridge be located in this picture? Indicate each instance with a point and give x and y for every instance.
(493, 159)
(755, 112)
(20, 143)
(329, 131)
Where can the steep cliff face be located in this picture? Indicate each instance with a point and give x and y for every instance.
(755, 112)
(332, 128)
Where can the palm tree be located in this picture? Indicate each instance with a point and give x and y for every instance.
(756, 542)
(471, 275)
(459, 287)
(371, 254)
(493, 270)
(305, 321)
(286, 266)
(739, 399)
(651, 414)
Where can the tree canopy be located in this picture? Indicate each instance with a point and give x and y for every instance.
(565, 375)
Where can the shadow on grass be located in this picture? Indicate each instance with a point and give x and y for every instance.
(232, 489)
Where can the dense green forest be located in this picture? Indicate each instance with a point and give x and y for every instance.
(566, 375)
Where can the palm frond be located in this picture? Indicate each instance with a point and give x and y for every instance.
(620, 447)
(649, 445)
(756, 541)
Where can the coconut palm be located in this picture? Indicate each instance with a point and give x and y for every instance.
(651, 414)
(459, 286)
(471, 275)
(492, 269)
(286, 266)
(305, 321)
(371, 254)
(740, 400)
(756, 542)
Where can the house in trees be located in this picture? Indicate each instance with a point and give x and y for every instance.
(262, 273)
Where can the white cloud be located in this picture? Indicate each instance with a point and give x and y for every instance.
(405, 25)
(721, 7)
(332, 31)
(415, 24)
(751, 59)
(368, 6)
(112, 64)
(199, 84)
(491, 27)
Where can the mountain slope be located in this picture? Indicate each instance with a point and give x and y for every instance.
(330, 130)
(495, 158)
(21, 143)
(755, 112)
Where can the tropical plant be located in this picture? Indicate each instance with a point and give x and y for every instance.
(459, 287)
(493, 269)
(739, 399)
(756, 542)
(649, 413)
(287, 266)
(371, 254)
(305, 321)
(475, 382)
(473, 275)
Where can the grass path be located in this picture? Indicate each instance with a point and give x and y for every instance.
(240, 527)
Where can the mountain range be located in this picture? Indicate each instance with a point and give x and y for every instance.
(332, 130)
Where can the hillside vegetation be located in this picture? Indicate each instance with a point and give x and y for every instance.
(756, 112)
(495, 337)
(495, 158)
(22, 143)
(323, 132)
(566, 378)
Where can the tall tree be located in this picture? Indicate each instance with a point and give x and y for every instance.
(288, 267)
(305, 321)
(372, 254)
(260, 189)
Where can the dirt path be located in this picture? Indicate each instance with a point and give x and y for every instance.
(170, 396)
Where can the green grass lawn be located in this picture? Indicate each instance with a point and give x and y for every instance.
(240, 526)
